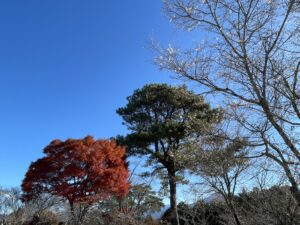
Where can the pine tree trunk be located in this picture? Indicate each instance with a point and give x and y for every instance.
(173, 201)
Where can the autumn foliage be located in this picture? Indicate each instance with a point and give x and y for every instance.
(79, 170)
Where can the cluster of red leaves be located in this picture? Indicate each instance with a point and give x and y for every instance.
(79, 170)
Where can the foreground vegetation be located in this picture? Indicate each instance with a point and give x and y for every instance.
(274, 206)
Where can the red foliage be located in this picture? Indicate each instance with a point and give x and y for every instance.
(79, 170)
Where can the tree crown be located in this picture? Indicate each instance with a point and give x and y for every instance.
(79, 170)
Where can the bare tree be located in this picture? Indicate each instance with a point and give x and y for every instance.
(274, 206)
(12, 208)
(251, 60)
(221, 166)
(43, 204)
(77, 214)
(14, 211)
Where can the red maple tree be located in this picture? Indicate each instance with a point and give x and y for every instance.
(79, 170)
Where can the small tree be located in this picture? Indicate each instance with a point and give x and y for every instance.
(79, 170)
(221, 165)
(140, 201)
(161, 118)
(138, 205)
(11, 206)
(14, 211)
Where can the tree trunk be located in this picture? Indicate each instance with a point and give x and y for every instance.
(236, 218)
(77, 216)
(173, 201)
(231, 206)
(296, 193)
(73, 219)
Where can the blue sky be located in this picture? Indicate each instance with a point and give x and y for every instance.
(65, 66)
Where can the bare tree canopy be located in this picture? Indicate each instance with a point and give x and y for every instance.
(251, 60)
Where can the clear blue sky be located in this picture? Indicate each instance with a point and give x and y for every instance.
(65, 66)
